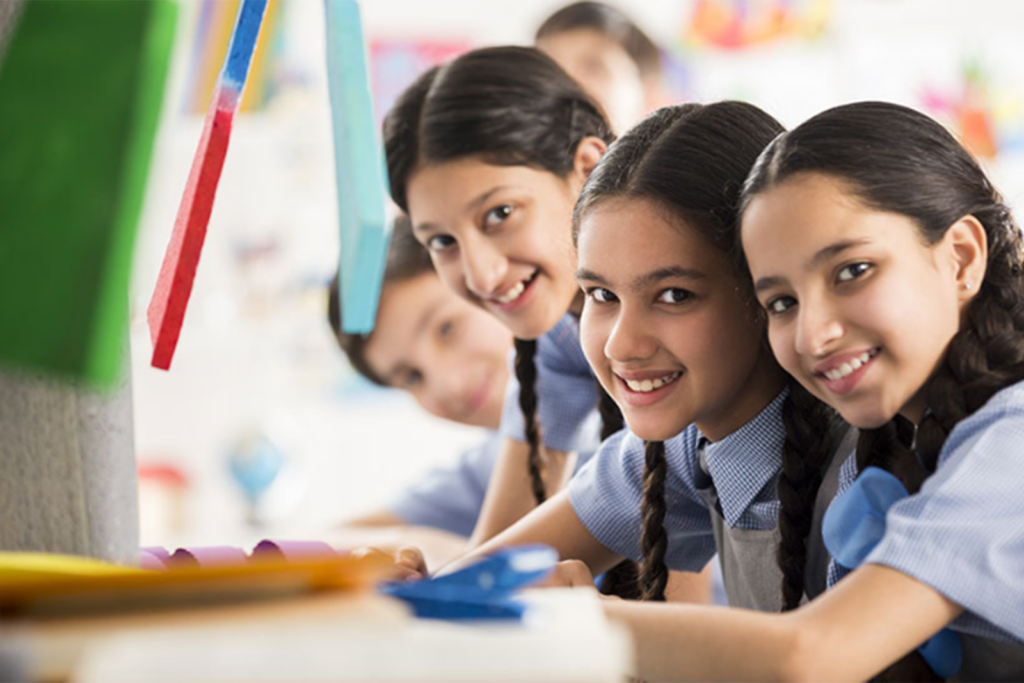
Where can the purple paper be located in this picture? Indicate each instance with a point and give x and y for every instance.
(208, 556)
(151, 560)
(291, 550)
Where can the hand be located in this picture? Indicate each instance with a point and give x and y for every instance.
(409, 562)
(570, 574)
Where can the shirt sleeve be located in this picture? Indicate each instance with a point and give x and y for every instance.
(450, 498)
(607, 493)
(566, 395)
(963, 532)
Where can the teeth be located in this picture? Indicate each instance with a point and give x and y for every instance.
(855, 364)
(512, 294)
(647, 385)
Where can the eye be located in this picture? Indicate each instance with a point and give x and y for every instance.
(674, 295)
(600, 295)
(410, 379)
(440, 242)
(779, 305)
(852, 271)
(497, 215)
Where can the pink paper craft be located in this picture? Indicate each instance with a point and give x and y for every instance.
(208, 556)
(292, 550)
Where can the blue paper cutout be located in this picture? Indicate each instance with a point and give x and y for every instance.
(359, 170)
(855, 523)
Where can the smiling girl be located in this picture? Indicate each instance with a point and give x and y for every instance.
(673, 332)
(487, 155)
(891, 272)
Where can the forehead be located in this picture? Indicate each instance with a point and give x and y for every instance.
(581, 42)
(641, 234)
(442, 188)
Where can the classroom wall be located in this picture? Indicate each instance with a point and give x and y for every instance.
(256, 364)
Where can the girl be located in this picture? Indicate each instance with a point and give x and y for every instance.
(891, 271)
(450, 357)
(609, 55)
(487, 155)
(674, 333)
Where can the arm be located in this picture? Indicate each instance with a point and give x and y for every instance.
(868, 621)
(509, 493)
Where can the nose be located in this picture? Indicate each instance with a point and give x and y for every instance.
(818, 328)
(483, 266)
(629, 338)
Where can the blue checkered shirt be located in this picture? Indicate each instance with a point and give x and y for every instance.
(606, 494)
(567, 393)
(963, 532)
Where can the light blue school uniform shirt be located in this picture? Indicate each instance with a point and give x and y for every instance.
(567, 394)
(963, 532)
(450, 498)
(744, 467)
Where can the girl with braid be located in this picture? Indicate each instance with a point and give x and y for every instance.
(892, 274)
(671, 326)
(487, 156)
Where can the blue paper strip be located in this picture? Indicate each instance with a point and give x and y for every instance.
(359, 168)
(243, 42)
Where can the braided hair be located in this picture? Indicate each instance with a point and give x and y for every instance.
(897, 160)
(691, 159)
(507, 106)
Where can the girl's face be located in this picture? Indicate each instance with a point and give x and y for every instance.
(500, 237)
(604, 69)
(860, 308)
(667, 326)
(449, 355)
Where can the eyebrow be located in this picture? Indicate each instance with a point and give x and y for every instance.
(421, 324)
(470, 207)
(824, 254)
(646, 279)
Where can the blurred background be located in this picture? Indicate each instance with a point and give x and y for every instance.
(259, 403)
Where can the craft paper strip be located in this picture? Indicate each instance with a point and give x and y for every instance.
(359, 169)
(177, 274)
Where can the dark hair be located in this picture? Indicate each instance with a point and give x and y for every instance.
(507, 106)
(897, 160)
(407, 259)
(610, 22)
(692, 159)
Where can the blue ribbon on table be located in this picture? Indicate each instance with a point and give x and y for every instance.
(483, 590)
(855, 523)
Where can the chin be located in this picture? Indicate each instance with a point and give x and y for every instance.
(865, 419)
(653, 431)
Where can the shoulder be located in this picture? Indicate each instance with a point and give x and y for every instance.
(1000, 422)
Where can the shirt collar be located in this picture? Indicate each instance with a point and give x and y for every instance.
(743, 463)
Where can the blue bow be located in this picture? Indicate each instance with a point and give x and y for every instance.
(855, 523)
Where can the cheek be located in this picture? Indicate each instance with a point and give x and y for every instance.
(594, 332)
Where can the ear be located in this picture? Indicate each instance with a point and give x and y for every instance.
(588, 153)
(968, 246)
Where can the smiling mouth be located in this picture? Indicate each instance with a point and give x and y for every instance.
(646, 386)
(516, 291)
(850, 367)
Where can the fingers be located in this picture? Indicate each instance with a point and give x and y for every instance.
(409, 562)
(570, 574)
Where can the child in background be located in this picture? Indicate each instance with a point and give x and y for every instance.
(893, 278)
(451, 358)
(609, 55)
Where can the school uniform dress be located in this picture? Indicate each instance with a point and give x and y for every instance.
(963, 535)
(450, 498)
(567, 394)
(721, 496)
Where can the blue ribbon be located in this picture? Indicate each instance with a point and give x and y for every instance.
(855, 523)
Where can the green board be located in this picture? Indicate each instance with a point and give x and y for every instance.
(81, 85)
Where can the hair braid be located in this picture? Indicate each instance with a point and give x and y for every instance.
(611, 416)
(805, 451)
(622, 580)
(654, 539)
(526, 373)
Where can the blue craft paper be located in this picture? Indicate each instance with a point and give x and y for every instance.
(243, 42)
(359, 169)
